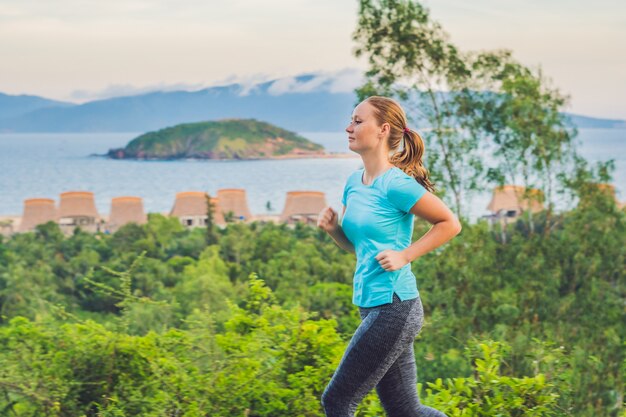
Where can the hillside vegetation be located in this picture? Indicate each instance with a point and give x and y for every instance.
(224, 139)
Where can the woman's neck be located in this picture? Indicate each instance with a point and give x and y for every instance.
(374, 166)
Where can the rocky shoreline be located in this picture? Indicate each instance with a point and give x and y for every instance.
(115, 154)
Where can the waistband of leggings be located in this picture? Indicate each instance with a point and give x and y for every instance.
(396, 300)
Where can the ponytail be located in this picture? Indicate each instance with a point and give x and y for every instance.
(409, 158)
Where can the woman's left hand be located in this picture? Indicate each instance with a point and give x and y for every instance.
(391, 260)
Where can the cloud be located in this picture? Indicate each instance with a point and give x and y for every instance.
(122, 90)
(343, 81)
(248, 83)
(346, 80)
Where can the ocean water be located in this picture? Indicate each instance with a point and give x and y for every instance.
(45, 165)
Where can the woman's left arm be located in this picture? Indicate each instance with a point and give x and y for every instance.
(445, 226)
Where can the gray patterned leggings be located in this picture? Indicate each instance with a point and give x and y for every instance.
(380, 354)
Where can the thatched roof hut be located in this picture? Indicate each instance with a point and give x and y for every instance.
(189, 203)
(303, 206)
(78, 204)
(37, 211)
(234, 200)
(125, 210)
(78, 209)
(510, 198)
(191, 208)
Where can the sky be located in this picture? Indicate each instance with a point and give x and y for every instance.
(80, 50)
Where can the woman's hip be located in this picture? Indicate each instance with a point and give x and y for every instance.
(407, 315)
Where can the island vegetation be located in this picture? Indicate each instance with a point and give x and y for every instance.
(222, 139)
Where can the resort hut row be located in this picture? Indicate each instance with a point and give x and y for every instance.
(78, 209)
(231, 205)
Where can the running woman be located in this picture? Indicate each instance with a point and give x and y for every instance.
(379, 205)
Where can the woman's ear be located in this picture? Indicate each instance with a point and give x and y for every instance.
(385, 129)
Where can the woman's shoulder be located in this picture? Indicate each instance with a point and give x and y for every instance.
(402, 190)
(396, 177)
(396, 172)
(400, 181)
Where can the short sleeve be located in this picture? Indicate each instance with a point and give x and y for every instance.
(404, 192)
(346, 189)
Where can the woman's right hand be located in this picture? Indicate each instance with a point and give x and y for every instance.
(327, 220)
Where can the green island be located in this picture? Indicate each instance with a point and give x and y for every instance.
(221, 139)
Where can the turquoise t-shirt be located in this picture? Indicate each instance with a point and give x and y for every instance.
(377, 217)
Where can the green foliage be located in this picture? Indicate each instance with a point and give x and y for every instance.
(198, 326)
(271, 360)
(490, 393)
(205, 284)
(226, 139)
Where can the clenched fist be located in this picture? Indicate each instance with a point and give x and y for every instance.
(327, 220)
(391, 260)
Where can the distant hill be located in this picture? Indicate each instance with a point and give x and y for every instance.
(14, 106)
(298, 111)
(223, 139)
(307, 103)
(586, 122)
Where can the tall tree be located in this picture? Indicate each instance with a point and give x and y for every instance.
(471, 102)
(211, 235)
(411, 59)
(531, 138)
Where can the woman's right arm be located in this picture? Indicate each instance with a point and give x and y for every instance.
(328, 221)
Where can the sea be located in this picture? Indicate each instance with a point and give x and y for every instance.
(38, 165)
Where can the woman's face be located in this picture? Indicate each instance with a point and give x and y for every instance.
(364, 134)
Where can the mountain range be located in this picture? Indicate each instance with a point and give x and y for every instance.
(307, 103)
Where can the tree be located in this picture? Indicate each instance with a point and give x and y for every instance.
(212, 236)
(410, 58)
(531, 138)
(469, 101)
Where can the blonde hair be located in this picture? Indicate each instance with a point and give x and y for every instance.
(409, 158)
